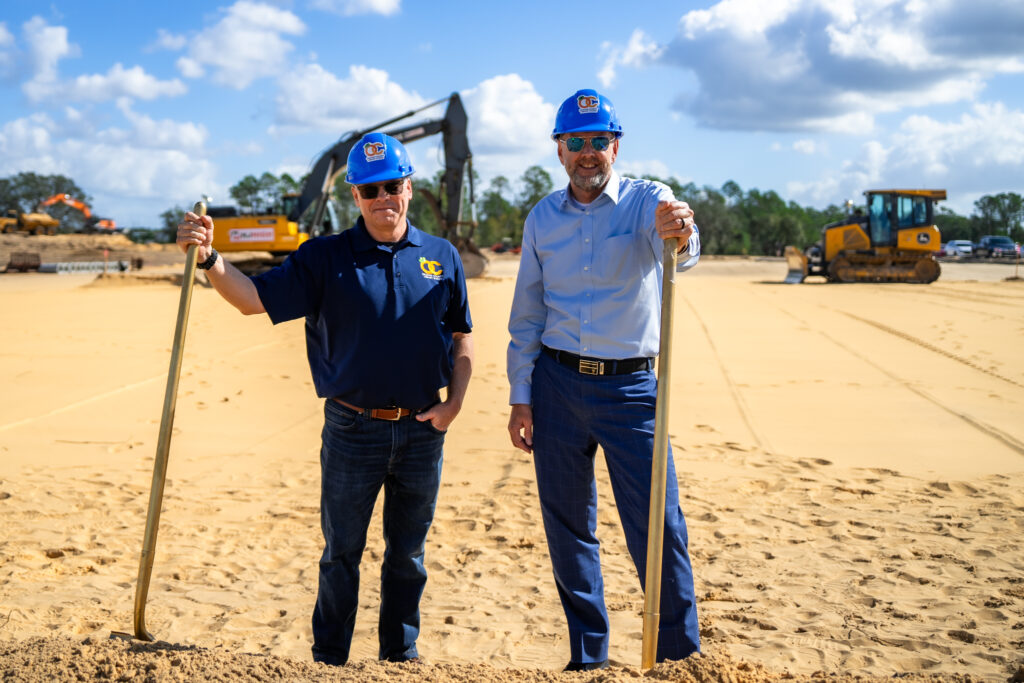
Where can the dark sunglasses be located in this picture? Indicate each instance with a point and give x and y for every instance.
(599, 142)
(392, 187)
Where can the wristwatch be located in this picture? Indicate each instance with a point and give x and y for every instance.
(208, 263)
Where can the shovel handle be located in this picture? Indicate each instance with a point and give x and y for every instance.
(163, 447)
(659, 465)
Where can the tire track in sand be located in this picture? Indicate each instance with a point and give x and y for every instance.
(1006, 439)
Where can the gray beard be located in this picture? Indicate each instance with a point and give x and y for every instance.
(594, 182)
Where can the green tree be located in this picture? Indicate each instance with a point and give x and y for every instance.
(169, 220)
(246, 192)
(499, 218)
(998, 214)
(536, 184)
(952, 225)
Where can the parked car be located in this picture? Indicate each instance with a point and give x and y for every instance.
(996, 246)
(957, 249)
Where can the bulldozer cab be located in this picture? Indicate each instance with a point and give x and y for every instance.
(892, 210)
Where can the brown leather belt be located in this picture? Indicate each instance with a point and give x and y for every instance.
(377, 413)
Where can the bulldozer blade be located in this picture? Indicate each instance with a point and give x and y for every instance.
(796, 261)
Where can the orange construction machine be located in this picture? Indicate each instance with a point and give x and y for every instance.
(93, 224)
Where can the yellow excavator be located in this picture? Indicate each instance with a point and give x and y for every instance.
(895, 240)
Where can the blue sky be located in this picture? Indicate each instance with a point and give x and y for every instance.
(150, 105)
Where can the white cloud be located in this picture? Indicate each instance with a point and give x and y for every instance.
(352, 7)
(165, 40)
(6, 50)
(638, 53)
(118, 82)
(637, 168)
(145, 132)
(980, 153)
(509, 126)
(245, 45)
(835, 65)
(117, 167)
(47, 45)
(312, 98)
(805, 146)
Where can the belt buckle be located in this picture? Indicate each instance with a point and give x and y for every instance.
(591, 367)
(385, 416)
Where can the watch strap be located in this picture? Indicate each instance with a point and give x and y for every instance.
(209, 262)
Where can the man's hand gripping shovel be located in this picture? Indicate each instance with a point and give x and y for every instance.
(659, 468)
(163, 447)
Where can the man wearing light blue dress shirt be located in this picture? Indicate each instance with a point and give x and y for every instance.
(584, 333)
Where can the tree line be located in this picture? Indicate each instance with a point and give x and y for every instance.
(731, 220)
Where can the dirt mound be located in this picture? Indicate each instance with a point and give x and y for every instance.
(55, 659)
(61, 248)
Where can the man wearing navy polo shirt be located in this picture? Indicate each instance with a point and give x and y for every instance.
(585, 331)
(387, 326)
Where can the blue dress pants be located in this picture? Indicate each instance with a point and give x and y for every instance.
(358, 457)
(572, 415)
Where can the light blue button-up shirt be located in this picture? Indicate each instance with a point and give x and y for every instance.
(590, 278)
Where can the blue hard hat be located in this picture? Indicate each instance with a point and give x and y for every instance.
(376, 158)
(586, 110)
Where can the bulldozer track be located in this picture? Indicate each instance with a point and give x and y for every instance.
(931, 347)
(1007, 440)
(737, 397)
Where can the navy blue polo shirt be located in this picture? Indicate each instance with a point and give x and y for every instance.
(379, 318)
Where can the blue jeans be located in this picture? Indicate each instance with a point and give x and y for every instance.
(358, 456)
(572, 415)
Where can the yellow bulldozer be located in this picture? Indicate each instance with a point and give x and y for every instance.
(894, 240)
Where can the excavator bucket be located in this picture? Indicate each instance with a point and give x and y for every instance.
(797, 263)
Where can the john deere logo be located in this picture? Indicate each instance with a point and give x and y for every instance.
(587, 103)
(923, 238)
(374, 151)
(431, 269)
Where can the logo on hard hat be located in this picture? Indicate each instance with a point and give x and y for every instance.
(431, 269)
(588, 104)
(374, 151)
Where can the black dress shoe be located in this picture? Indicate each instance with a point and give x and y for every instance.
(586, 666)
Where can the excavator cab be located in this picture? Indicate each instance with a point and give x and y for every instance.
(895, 240)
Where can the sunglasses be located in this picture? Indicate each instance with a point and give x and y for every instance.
(393, 187)
(599, 142)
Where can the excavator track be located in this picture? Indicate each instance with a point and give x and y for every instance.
(898, 267)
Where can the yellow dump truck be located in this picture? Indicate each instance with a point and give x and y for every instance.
(894, 240)
(31, 223)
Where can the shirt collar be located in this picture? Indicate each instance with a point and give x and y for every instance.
(364, 242)
(611, 190)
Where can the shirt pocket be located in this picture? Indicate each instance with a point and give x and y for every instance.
(617, 259)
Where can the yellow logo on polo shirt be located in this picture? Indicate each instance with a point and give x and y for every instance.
(431, 269)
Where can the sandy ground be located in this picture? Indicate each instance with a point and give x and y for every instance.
(851, 460)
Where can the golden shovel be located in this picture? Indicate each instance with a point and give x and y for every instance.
(659, 467)
(163, 447)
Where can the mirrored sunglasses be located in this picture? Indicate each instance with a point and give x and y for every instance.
(599, 142)
(392, 187)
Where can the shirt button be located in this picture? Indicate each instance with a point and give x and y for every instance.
(586, 322)
(586, 239)
(586, 348)
(586, 267)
